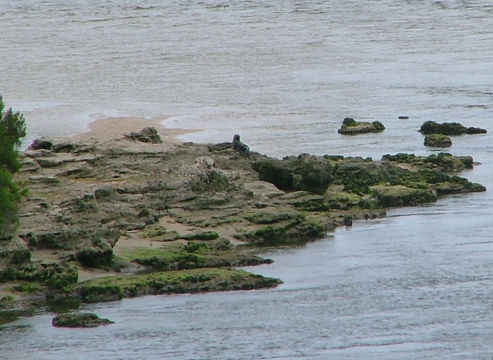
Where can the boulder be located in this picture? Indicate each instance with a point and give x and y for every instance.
(351, 127)
(448, 128)
(79, 320)
(147, 135)
(399, 195)
(303, 172)
(437, 140)
(41, 144)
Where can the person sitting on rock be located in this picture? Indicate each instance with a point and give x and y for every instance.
(239, 146)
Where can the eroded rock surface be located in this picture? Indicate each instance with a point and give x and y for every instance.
(117, 207)
(352, 127)
(79, 320)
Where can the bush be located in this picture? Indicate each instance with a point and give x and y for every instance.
(12, 130)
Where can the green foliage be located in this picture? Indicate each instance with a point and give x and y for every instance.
(12, 130)
(10, 194)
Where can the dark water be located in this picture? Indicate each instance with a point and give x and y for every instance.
(415, 285)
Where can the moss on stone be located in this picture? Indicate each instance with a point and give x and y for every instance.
(204, 235)
(343, 200)
(448, 128)
(27, 287)
(399, 195)
(263, 218)
(195, 254)
(303, 172)
(79, 320)
(170, 282)
(352, 127)
(299, 231)
(437, 140)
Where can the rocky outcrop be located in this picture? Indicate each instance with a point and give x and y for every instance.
(352, 127)
(179, 211)
(303, 172)
(170, 282)
(437, 140)
(448, 128)
(147, 135)
(79, 320)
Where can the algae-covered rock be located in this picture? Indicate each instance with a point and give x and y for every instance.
(457, 185)
(399, 195)
(147, 135)
(358, 175)
(195, 254)
(79, 320)
(443, 161)
(293, 232)
(170, 282)
(303, 172)
(52, 275)
(448, 128)
(343, 200)
(96, 257)
(437, 140)
(450, 163)
(129, 205)
(351, 127)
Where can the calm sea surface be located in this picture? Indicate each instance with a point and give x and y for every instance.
(283, 74)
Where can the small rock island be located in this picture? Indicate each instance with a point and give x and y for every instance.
(352, 127)
(449, 128)
(437, 140)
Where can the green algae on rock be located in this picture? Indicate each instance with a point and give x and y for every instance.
(193, 255)
(79, 320)
(352, 127)
(448, 128)
(437, 140)
(170, 282)
(190, 207)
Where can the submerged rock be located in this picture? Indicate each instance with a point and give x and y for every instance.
(351, 127)
(79, 320)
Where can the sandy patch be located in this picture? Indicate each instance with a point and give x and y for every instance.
(116, 127)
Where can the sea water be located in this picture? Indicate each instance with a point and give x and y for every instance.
(282, 74)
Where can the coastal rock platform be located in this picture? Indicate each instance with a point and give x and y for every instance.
(127, 217)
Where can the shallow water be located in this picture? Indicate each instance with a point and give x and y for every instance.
(283, 74)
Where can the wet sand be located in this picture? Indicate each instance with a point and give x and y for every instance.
(116, 127)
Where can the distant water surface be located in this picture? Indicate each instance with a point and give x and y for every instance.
(276, 72)
(283, 74)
